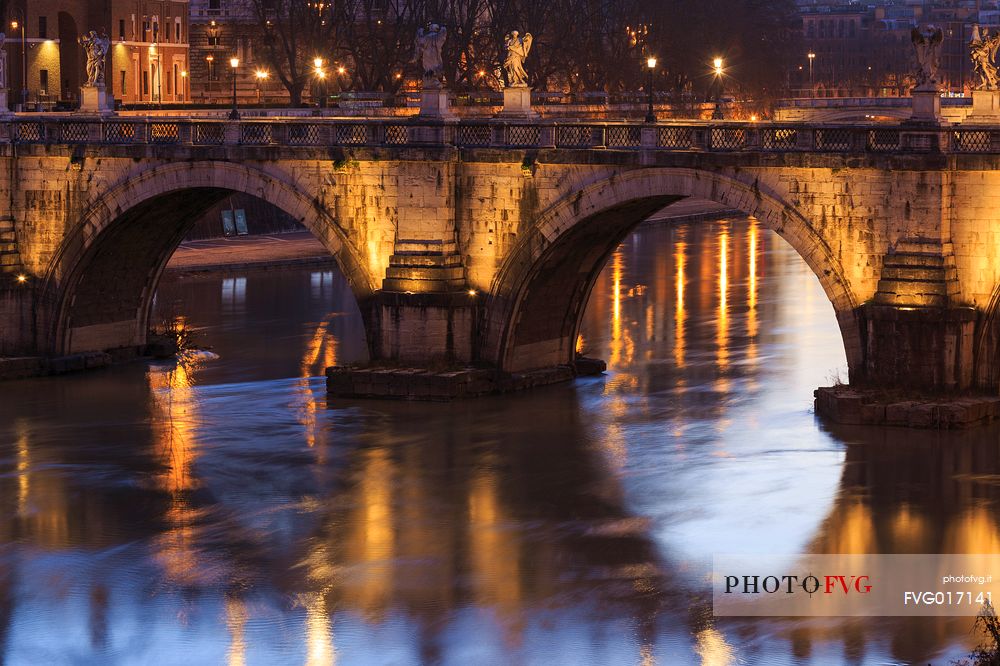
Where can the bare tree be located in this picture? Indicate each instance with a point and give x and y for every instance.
(293, 33)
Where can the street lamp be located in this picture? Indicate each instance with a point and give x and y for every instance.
(16, 24)
(650, 66)
(235, 113)
(811, 56)
(321, 75)
(717, 112)
(261, 78)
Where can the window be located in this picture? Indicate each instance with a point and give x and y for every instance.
(170, 89)
(43, 81)
(145, 28)
(213, 74)
(177, 30)
(124, 74)
(215, 5)
(145, 83)
(43, 27)
(121, 29)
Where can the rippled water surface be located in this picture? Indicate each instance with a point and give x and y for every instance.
(222, 510)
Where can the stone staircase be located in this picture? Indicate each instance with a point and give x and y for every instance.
(918, 279)
(424, 266)
(10, 258)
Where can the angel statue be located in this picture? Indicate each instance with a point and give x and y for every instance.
(428, 53)
(927, 42)
(517, 50)
(983, 51)
(97, 50)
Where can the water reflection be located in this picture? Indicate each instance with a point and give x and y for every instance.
(224, 510)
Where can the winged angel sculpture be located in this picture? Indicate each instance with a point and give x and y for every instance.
(517, 50)
(983, 51)
(927, 42)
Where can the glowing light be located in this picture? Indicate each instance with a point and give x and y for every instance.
(23, 468)
(184, 73)
(318, 640)
(753, 118)
(261, 74)
(398, 75)
(472, 292)
(341, 70)
(210, 58)
(14, 25)
(722, 332)
(234, 62)
(679, 314)
(717, 64)
(752, 290)
(21, 278)
(651, 62)
(317, 62)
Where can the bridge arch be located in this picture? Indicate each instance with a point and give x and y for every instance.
(539, 295)
(103, 277)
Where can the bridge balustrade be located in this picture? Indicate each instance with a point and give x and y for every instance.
(722, 136)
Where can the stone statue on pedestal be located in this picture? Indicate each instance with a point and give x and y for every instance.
(927, 43)
(97, 50)
(517, 51)
(428, 54)
(983, 51)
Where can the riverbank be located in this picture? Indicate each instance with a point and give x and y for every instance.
(301, 248)
(298, 248)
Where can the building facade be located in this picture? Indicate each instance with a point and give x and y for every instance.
(220, 30)
(852, 49)
(147, 61)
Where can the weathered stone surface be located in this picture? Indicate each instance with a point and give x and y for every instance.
(848, 406)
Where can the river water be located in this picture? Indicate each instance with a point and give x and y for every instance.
(222, 510)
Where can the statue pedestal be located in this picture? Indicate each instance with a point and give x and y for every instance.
(434, 103)
(985, 107)
(926, 105)
(517, 103)
(94, 99)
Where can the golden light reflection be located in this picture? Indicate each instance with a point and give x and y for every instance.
(679, 313)
(974, 532)
(23, 468)
(319, 634)
(372, 540)
(175, 410)
(752, 281)
(320, 353)
(711, 646)
(722, 331)
(622, 345)
(236, 619)
(495, 552)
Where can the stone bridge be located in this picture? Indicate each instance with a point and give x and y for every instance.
(479, 241)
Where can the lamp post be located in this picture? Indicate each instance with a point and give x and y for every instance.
(261, 77)
(650, 67)
(811, 56)
(320, 73)
(235, 113)
(15, 24)
(717, 66)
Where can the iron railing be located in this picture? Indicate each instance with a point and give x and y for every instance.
(722, 136)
